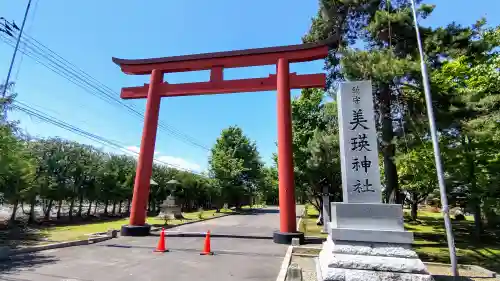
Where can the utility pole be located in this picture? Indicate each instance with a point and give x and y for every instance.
(435, 144)
(4, 91)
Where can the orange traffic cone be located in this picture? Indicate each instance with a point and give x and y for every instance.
(206, 248)
(161, 248)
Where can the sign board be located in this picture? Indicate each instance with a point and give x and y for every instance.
(358, 143)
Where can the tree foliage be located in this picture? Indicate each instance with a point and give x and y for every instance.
(236, 166)
(463, 62)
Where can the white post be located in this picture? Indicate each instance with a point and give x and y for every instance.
(326, 209)
(437, 152)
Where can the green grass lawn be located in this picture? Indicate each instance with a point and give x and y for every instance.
(76, 232)
(308, 223)
(430, 239)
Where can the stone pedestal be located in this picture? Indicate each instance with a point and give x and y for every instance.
(368, 222)
(368, 242)
(170, 209)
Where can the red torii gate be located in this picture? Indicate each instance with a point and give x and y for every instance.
(283, 81)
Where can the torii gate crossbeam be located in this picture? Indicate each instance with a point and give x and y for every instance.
(283, 81)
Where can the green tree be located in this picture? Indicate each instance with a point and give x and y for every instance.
(16, 170)
(417, 175)
(389, 60)
(307, 116)
(470, 80)
(269, 186)
(236, 166)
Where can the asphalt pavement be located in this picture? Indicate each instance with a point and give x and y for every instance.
(132, 258)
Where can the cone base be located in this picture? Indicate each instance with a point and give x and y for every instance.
(135, 230)
(286, 237)
(160, 251)
(207, 254)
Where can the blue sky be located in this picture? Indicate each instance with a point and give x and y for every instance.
(88, 33)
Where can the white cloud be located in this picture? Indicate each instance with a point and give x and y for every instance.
(175, 162)
(134, 148)
(179, 163)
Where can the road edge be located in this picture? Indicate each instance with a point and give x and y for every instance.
(285, 264)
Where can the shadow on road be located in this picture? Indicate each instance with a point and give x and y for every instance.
(314, 240)
(219, 252)
(24, 262)
(256, 212)
(18, 237)
(21, 236)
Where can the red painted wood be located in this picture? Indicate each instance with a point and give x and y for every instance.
(226, 87)
(216, 62)
(285, 157)
(145, 162)
(228, 62)
(217, 74)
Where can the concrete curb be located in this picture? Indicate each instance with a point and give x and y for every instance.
(158, 228)
(319, 274)
(285, 264)
(6, 253)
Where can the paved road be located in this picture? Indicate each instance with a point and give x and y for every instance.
(259, 223)
(131, 258)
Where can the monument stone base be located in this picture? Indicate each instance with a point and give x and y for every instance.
(368, 242)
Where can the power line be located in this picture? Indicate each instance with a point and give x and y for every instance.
(27, 109)
(27, 28)
(13, 55)
(56, 63)
(88, 83)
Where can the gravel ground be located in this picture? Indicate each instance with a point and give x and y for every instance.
(308, 267)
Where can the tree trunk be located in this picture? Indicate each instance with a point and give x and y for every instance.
(90, 208)
(320, 221)
(120, 207)
(128, 205)
(478, 225)
(80, 206)
(475, 199)
(49, 208)
(14, 211)
(414, 206)
(106, 207)
(113, 211)
(32, 217)
(71, 206)
(59, 209)
(388, 147)
(95, 207)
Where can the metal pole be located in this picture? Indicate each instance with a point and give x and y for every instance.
(4, 91)
(435, 144)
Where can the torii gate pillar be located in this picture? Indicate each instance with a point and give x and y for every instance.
(285, 152)
(283, 82)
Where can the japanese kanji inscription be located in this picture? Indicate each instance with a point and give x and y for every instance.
(358, 143)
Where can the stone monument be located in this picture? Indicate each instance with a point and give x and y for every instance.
(170, 209)
(366, 239)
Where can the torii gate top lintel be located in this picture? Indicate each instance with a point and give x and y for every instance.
(229, 59)
(216, 62)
